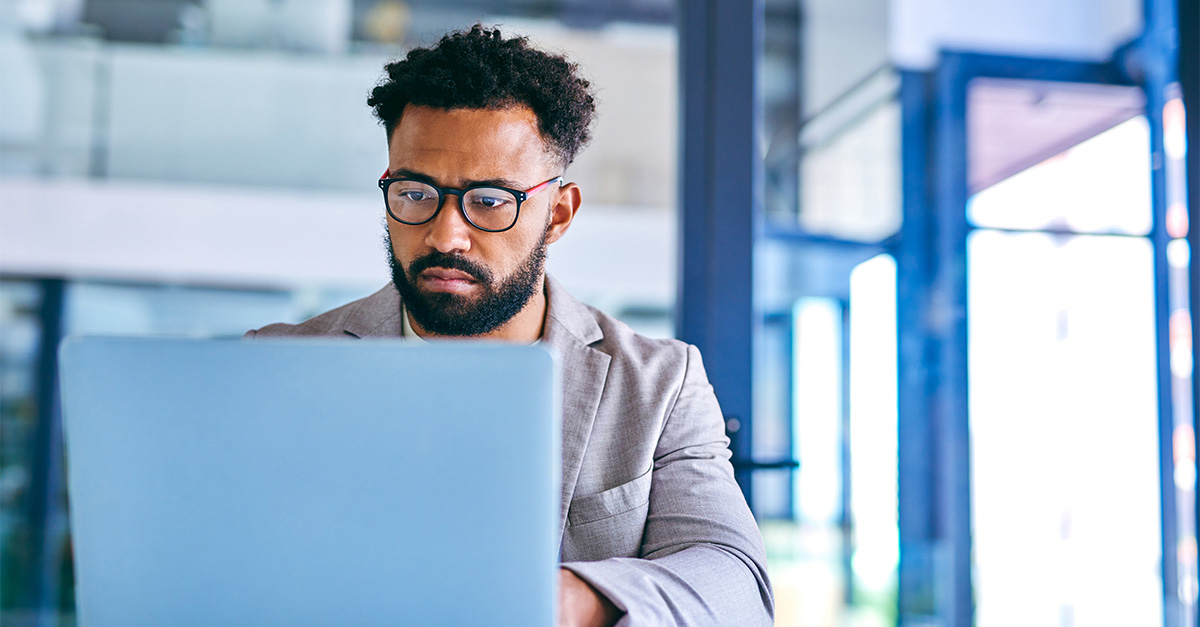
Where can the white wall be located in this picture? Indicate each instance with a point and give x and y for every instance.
(1076, 29)
(235, 117)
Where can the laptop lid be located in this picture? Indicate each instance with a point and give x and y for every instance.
(310, 482)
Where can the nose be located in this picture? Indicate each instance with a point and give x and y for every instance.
(449, 231)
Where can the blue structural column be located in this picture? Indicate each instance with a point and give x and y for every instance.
(721, 200)
(915, 259)
(933, 429)
(46, 477)
(948, 324)
(1158, 49)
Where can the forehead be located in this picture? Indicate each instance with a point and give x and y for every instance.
(456, 144)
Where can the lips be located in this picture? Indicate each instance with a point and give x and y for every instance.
(446, 280)
(446, 274)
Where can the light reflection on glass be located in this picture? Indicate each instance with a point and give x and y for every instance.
(1181, 355)
(1185, 476)
(1181, 343)
(1177, 220)
(1187, 550)
(818, 409)
(1183, 446)
(1174, 129)
(1099, 186)
(873, 416)
(1183, 443)
(1186, 558)
(1064, 430)
(1179, 254)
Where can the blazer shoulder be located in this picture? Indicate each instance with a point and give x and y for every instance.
(325, 324)
(338, 322)
(637, 350)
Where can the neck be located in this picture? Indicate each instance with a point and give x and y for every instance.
(523, 328)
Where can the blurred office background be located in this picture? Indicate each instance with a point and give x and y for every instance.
(936, 254)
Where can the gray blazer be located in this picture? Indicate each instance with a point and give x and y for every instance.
(651, 515)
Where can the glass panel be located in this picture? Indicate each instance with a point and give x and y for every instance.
(773, 415)
(830, 367)
(832, 125)
(843, 42)
(850, 182)
(1064, 430)
(1058, 157)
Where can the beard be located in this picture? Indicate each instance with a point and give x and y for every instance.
(448, 314)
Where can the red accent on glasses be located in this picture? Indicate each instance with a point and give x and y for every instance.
(537, 188)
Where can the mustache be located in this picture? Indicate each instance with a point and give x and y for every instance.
(438, 259)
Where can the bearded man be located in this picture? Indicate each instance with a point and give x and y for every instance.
(480, 131)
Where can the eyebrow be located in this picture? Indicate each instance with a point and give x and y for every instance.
(401, 173)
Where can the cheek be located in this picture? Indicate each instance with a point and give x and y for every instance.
(501, 257)
(405, 241)
(522, 244)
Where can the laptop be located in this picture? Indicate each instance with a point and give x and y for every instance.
(308, 482)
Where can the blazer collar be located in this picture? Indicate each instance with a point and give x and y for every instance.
(567, 316)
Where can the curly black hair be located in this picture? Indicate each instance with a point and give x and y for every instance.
(480, 69)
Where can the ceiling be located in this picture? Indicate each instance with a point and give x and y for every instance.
(1013, 125)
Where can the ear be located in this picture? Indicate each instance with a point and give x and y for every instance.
(562, 212)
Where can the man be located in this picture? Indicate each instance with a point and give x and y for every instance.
(480, 129)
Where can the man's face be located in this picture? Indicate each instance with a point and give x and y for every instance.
(456, 279)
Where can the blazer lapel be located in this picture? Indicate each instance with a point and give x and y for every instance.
(571, 329)
(377, 315)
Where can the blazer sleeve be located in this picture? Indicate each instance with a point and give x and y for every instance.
(702, 556)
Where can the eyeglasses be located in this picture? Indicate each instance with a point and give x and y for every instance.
(486, 207)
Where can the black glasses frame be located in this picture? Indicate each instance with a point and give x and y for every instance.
(520, 195)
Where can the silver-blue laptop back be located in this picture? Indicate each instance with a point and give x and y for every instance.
(311, 482)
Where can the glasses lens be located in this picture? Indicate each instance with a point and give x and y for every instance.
(412, 202)
(490, 208)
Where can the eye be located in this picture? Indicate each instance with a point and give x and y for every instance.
(489, 202)
(414, 195)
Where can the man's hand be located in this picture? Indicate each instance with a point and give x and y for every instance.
(581, 605)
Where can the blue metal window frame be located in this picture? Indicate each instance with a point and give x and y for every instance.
(40, 592)
(721, 212)
(935, 465)
(721, 203)
(1188, 71)
(916, 352)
